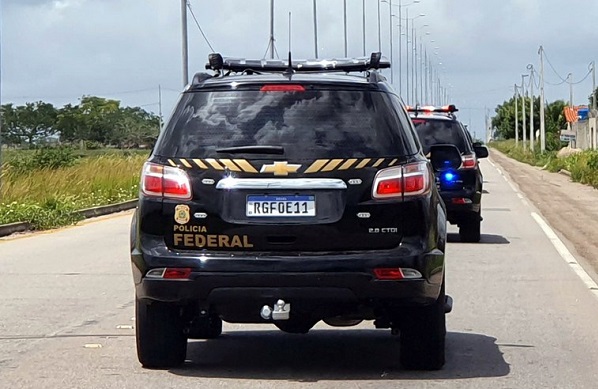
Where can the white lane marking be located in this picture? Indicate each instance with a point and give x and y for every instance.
(566, 254)
(491, 163)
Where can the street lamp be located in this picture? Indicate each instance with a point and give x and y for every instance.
(400, 25)
(407, 19)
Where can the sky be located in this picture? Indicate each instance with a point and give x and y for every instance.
(59, 50)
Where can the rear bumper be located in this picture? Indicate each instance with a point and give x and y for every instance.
(255, 278)
(457, 212)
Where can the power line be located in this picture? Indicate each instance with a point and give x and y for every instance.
(583, 79)
(199, 27)
(552, 67)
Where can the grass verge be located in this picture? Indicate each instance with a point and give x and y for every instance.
(50, 197)
(582, 166)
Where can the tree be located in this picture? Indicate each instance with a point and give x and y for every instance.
(30, 122)
(9, 124)
(95, 119)
(504, 121)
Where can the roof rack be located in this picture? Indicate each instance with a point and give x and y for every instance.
(361, 64)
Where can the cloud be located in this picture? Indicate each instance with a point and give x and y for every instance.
(60, 50)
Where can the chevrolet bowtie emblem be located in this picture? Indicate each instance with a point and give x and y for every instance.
(280, 168)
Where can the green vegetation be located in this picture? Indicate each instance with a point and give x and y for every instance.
(582, 166)
(61, 160)
(95, 122)
(504, 121)
(46, 187)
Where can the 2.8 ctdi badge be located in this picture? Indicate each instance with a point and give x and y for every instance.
(182, 214)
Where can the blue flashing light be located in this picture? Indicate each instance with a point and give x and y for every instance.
(449, 177)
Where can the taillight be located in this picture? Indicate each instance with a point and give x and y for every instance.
(165, 181)
(469, 161)
(407, 180)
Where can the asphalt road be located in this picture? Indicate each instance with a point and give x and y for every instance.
(523, 318)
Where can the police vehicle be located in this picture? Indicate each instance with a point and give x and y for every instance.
(461, 189)
(287, 193)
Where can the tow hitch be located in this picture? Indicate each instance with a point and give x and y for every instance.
(280, 311)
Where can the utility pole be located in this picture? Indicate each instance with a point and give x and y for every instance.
(516, 118)
(271, 29)
(421, 74)
(400, 48)
(570, 80)
(316, 28)
(185, 43)
(593, 86)
(379, 27)
(160, 105)
(523, 93)
(363, 8)
(531, 108)
(426, 78)
(407, 53)
(392, 79)
(542, 118)
(345, 28)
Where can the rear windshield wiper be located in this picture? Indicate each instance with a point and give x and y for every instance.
(278, 150)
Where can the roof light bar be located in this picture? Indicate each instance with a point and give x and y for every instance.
(445, 109)
(361, 64)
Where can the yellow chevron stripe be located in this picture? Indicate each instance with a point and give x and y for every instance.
(200, 164)
(185, 163)
(348, 164)
(392, 162)
(332, 165)
(171, 162)
(363, 163)
(246, 166)
(214, 164)
(378, 162)
(230, 165)
(316, 166)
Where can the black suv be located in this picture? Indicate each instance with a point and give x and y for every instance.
(288, 195)
(461, 189)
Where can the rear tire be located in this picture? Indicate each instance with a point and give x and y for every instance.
(161, 342)
(470, 231)
(423, 333)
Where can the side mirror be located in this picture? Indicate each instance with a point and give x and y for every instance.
(480, 151)
(445, 157)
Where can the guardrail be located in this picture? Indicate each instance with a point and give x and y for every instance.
(9, 229)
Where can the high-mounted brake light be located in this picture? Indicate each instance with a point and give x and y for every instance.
(402, 181)
(282, 88)
(165, 181)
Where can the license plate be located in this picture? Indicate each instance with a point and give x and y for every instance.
(277, 206)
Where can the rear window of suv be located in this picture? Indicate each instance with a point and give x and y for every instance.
(309, 124)
(434, 131)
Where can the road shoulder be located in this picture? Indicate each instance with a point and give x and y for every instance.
(570, 208)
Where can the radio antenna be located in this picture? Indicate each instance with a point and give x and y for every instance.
(290, 20)
(290, 69)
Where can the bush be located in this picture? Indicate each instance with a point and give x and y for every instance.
(44, 158)
(53, 213)
(582, 166)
